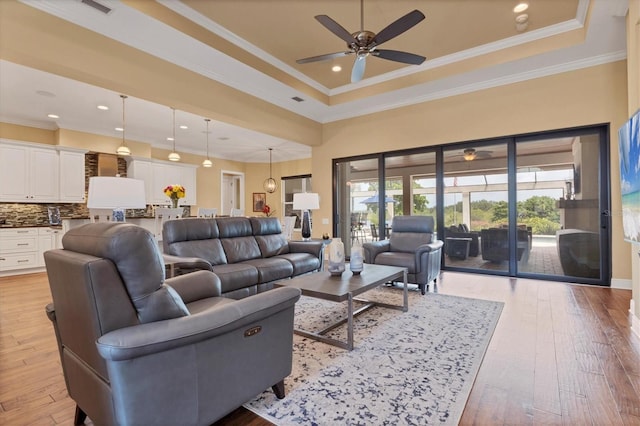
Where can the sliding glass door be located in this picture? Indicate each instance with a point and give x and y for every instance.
(560, 205)
(528, 206)
(475, 210)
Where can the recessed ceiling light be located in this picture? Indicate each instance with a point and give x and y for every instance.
(520, 7)
(53, 116)
(170, 139)
(119, 129)
(183, 127)
(103, 107)
(336, 68)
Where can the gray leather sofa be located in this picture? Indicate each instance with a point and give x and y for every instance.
(138, 350)
(410, 245)
(247, 254)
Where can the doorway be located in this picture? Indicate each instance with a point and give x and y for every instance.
(231, 192)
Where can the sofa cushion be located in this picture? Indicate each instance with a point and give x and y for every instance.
(240, 249)
(301, 262)
(128, 246)
(209, 250)
(235, 276)
(232, 227)
(405, 260)
(272, 245)
(271, 269)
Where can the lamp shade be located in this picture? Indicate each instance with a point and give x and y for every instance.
(115, 193)
(306, 201)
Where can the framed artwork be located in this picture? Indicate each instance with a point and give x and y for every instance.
(259, 201)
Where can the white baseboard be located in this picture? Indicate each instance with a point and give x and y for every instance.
(621, 284)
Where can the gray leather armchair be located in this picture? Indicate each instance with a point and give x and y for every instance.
(410, 245)
(138, 349)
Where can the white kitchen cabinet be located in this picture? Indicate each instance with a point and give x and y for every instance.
(140, 169)
(32, 173)
(72, 176)
(22, 249)
(163, 176)
(48, 239)
(157, 175)
(18, 248)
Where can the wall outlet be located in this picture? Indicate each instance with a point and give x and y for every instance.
(325, 221)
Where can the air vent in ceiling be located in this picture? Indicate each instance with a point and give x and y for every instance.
(102, 8)
(297, 99)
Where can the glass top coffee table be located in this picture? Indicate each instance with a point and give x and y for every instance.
(322, 285)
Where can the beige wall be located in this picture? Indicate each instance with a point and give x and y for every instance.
(584, 97)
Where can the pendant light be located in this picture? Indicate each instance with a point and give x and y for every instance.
(123, 149)
(207, 162)
(174, 156)
(270, 185)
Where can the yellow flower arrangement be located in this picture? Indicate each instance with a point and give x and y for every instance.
(175, 192)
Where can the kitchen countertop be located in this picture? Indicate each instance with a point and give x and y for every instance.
(24, 225)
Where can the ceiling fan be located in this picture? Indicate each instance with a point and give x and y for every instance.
(470, 154)
(364, 43)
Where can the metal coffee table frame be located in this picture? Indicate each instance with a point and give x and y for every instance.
(322, 285)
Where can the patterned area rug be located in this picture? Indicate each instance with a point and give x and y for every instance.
(413, 368)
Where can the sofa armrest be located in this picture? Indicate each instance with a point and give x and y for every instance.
(155, 337)
(372, 249)
(192, 263)
(311, 247)
(425, 250)
(195, 286)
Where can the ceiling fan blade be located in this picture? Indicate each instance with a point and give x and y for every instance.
(398, 56)
(397, 27)
(358, 68)
(336, 28)
(323, 57)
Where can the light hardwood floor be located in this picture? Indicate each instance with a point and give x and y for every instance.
(560, 354)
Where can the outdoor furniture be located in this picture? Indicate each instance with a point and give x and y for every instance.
(137, 349)
(462, 231)
(410, 245)
(457, 248)
(579, 252)
(495, 244)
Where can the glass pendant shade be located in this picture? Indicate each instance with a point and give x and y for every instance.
(270, 184)
(123, 149)
(207, 162)
(174, 156)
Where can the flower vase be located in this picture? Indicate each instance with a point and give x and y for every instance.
(174, 203)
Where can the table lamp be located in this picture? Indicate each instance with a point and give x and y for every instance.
(117, 194)
(306, 201)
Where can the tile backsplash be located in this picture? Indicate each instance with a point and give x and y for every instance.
(34, 214)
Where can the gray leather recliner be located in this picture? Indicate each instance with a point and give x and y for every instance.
(410, 245)
(136, 349)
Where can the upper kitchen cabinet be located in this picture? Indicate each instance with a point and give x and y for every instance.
(157, 175)
(30, 173)
(72, 177)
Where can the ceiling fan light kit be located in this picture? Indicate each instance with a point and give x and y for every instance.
(365, 43)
